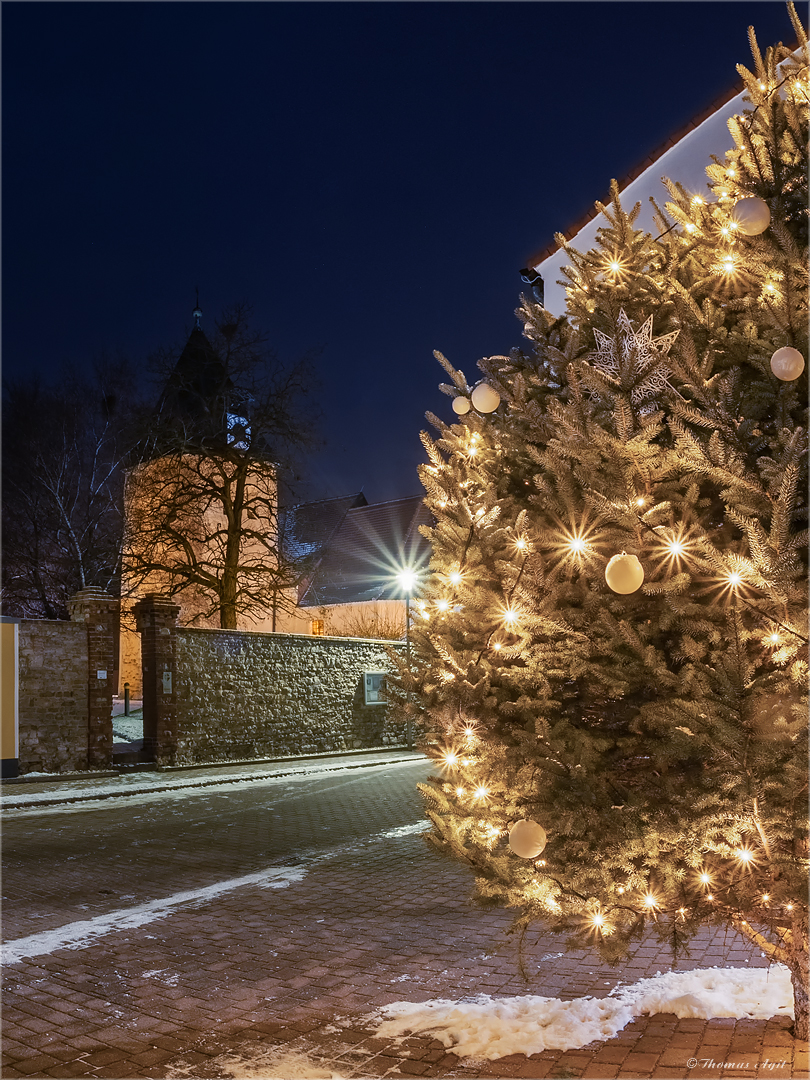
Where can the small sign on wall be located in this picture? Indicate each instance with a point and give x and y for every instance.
(101, 673)
(167, 682)
(373, 682)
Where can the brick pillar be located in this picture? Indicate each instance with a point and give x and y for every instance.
(98, 611)
(156, 619)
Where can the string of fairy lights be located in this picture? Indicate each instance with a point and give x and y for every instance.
(669, 548)
(578, 546)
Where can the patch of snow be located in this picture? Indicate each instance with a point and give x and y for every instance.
(264, 1065)
(405, 830)
(128, 728)
(78, 935)
(487, 1027)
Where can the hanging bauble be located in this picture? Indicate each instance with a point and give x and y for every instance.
(787, 363)
(527, 839)
(461, 405)
(485, 398)
(751, 216)
(624, 573)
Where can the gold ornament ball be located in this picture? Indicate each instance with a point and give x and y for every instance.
(527, 839)
(485, 398)
(461, 405)
(751, 216)
(624, 574)
(787, 363)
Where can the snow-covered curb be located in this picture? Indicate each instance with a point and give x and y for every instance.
(487, 1027)
(153, 783)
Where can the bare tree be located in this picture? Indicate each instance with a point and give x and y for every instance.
(203, 498)
(63, 447)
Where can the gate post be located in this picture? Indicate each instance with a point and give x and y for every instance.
(97, 610)
(157, 624)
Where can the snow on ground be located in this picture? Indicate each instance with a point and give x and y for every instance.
(93, 793)
(487, 1027)
(264, 1065)
(84, 932)
(127, 728)
(77, 935)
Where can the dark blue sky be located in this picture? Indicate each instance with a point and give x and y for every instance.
(370, 176)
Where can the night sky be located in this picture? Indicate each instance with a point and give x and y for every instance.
(370, 176)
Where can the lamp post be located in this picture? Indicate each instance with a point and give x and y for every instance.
(407, 580)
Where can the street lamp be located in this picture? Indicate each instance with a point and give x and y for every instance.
(407, 579)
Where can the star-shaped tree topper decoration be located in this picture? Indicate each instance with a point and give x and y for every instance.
(633, 360)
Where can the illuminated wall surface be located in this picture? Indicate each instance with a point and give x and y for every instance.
(8, 691)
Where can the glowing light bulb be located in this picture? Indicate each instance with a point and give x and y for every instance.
(481, 792)
(510, 616)
(745, 855)
(620, 889)
(710, 897)
(597, 919)
(497, 646)
(734, 579)
(675, 548)
(705, 879)
(690, 228)
(650, 901)
(615, 266)
(730, 172)
(762, 86)
(455, 577)
(450, 759)
(774, 639)
(789, 907)
(766, 897)
(442, 605)
(459, 791)
(472, 451)
(728, 264)
(520, 544)
(469, 734)
(725, 231)
(697, 201)
(641, 502)
(577, 544)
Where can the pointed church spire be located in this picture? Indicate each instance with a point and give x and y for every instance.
(197, 313)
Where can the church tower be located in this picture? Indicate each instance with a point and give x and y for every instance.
(200, 512)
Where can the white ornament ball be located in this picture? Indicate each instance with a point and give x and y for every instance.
(485, 398)
(751, 216)
(527, 839)
(787, 363)
(624, 573)
(461, 405)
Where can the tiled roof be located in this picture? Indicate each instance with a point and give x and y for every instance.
(306, 528)
(366, 552)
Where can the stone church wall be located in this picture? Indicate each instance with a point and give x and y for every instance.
(241, 695)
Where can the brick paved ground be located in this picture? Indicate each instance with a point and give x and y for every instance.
(263, 982)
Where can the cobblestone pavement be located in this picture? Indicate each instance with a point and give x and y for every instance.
(251, 929)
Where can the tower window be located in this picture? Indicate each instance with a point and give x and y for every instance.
(317, 627)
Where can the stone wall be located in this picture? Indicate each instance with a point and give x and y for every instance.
(53, 696)
(245, 695)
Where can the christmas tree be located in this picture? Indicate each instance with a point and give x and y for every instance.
(610, 651)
